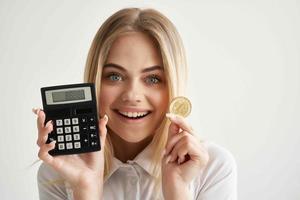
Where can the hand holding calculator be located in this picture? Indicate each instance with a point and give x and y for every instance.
(73, 111)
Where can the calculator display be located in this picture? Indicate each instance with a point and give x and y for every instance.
(69, 95)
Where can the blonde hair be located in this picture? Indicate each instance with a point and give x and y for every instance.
(164, 33)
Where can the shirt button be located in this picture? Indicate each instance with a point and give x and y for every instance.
(130, 162)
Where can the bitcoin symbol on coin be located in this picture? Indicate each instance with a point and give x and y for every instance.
(180, 106)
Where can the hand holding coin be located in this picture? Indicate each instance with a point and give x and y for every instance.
(184, 155)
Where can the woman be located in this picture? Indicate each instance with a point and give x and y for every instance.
(138, 65)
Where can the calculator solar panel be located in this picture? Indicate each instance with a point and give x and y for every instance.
(73, 111)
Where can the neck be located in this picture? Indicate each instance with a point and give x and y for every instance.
(124, 150)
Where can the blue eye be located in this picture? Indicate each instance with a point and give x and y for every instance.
(152, 79)
(114, 77)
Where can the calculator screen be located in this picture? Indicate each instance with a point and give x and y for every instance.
(68, 95)
(71, 95)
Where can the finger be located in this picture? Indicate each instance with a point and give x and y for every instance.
(40, 116)
(188, 146)
(43, 133)
(181, 158)
(173, 140)
(44, 152)
(42, 130)
(180, 121)
(40, 119)
(34, 110)
(103, 130)
(179, 151)
(165, 159)
(173, 130)
(183, 146)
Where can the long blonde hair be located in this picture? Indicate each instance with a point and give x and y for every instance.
(162, 30)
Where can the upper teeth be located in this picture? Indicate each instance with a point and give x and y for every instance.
(133, 114)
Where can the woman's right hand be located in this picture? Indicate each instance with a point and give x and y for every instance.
(84, 172)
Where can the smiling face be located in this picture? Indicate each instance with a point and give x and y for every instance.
(134, 91)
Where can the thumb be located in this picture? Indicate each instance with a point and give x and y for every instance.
(103, 130)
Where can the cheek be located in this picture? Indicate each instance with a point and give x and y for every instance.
(160, 100)
(107, 97)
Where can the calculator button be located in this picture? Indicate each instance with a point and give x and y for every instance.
(74, 120)
(59, 130)
(93, 135)
(69, 145)
(61, 146)
(68, 129)
(84, 128)
(92, 127)
(77, 145)
(60, 138)
(68, 137)
(75, 129)
(91, 119)
(76, 137)
(83, 120)
(94, 143)
(85, 139)
(59, 122)
(67, 121)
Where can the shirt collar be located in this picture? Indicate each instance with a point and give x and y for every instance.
(143, 159)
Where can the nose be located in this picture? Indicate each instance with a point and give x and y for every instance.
(132, 93)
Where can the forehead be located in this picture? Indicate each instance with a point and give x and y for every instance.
(134, 51)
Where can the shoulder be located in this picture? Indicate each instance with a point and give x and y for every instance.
(219, 156)
(219, 177)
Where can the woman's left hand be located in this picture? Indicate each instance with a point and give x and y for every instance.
(184, 156)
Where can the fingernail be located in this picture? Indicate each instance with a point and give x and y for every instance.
(179, 161)
(105, 117)
(170, 115)
(47, 125)
(53, 142)
(48, 122)
(36, 111)
(168, 159)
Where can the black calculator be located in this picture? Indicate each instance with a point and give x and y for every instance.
(73, 110)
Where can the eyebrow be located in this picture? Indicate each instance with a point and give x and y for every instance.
(148, 69)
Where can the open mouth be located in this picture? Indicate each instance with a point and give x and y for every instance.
(133, 115)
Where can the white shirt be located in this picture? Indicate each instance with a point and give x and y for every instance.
(133, 180)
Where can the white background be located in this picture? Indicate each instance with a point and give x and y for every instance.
(244, 59)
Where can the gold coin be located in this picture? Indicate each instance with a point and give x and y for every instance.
(180, 106)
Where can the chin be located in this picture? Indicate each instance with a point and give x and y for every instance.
(130, 136)
(133, 138)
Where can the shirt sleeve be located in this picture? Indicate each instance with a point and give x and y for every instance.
(50, 184)
(219, 178)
